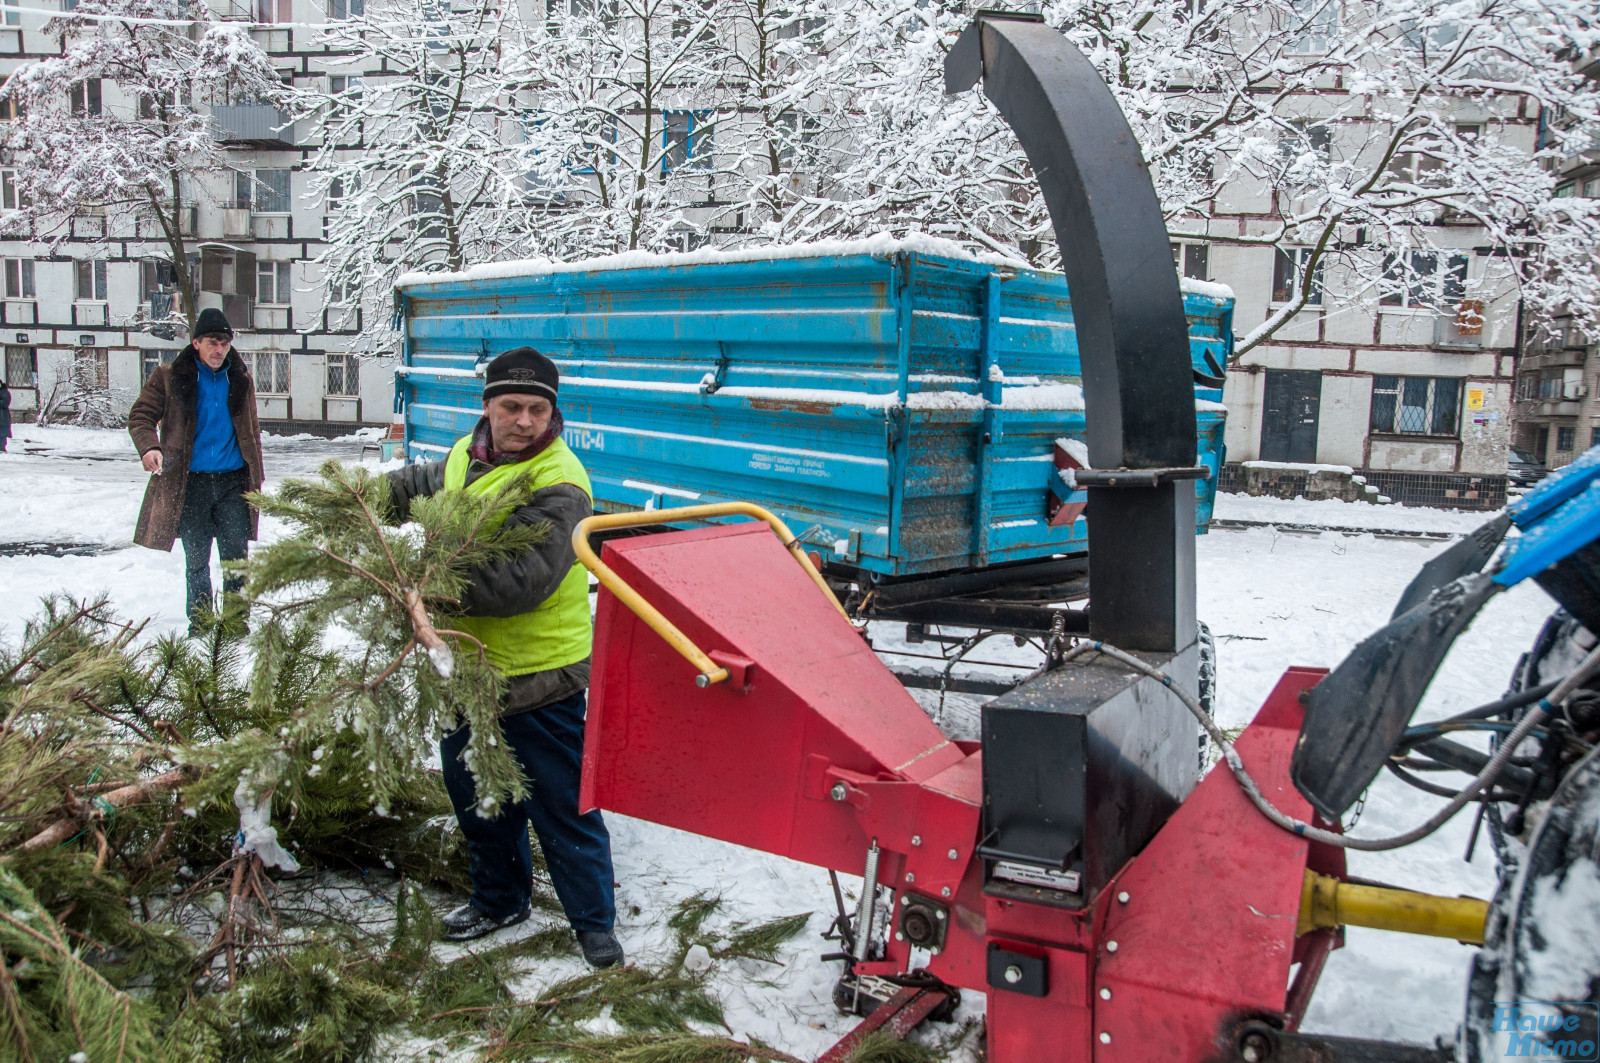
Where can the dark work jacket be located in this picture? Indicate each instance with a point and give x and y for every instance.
(163, 417)
(5, 412)
(516, 585)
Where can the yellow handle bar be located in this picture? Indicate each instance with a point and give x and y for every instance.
(710, 671)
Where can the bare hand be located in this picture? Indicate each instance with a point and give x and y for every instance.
(152, 461)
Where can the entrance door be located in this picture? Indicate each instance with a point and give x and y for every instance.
(1289, 416)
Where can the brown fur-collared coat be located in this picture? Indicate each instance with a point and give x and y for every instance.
(168, 400)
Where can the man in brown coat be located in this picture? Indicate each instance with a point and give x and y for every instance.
(206, 457)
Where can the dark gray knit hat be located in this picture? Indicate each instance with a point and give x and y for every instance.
(212, 322)
(523, 371)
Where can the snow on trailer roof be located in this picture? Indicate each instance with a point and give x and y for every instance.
(881, 244)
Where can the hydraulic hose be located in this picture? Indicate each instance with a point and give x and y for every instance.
(1589, 666)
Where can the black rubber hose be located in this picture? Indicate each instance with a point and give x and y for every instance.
(1505, 704)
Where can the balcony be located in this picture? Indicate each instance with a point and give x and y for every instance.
(271, 226)
(1557, 408)
(271, 318)
(236, 222)
(91, 313)
(251, 124)
(273, 40)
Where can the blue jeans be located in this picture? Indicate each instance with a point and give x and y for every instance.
(214, 509)
(548, 744)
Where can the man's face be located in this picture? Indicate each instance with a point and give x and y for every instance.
(213, 350)
(515, 421)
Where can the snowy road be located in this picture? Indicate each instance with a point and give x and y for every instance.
(1272, 599)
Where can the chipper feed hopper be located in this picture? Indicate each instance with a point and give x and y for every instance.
(1072, 865)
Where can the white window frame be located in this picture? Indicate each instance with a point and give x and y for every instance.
(19, 280)
(90, 280)
(281, 279)
(278, 367)
(1295, 259)
(347, 368)
(26, 356)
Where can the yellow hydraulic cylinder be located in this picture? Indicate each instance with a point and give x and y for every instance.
(1327, 902)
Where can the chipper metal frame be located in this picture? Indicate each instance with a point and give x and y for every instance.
(1068, 865)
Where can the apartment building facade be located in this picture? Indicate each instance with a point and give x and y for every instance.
(1558, 379)
(1410, 387)
(98, 303)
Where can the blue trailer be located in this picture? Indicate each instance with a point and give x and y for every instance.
(905, 404)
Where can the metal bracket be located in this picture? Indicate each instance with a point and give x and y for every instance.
(1017, 972)
(1136, 477)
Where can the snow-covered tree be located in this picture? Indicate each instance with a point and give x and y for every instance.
(1357, 134)
(420, 154)
(117, 124)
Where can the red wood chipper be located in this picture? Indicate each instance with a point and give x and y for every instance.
(1072, 865)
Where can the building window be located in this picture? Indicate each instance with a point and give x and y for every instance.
(13, 16)
(274, 10)
(86, 99)
(94, 367)
(1314, 25)
(1594, 437)
(797, 136)
(269, 370)
(19, 278)
(11, 195)
(1566, 440)
(1591, 188)
(1567, 191)
(344, 374)
(1301, 136)
(1416, 405)
(1193, 260)
(343, 9)
(272, 283)
(91, 279)
(266, 193)
(150, 358)
(22, 367)
(1289, 267)
(1435, 281)
(346, 86)
(687, 138)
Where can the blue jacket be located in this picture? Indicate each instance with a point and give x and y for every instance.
(216, 448)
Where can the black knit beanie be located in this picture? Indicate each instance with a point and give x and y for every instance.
(523, 371)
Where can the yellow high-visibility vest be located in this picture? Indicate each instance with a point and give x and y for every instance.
(559, 630)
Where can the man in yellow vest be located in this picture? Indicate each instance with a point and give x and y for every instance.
(532, 614)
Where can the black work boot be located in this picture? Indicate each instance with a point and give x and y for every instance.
(600, 948)
(467, 923)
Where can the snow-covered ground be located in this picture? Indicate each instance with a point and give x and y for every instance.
(1272, 600)
(1332, 513)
